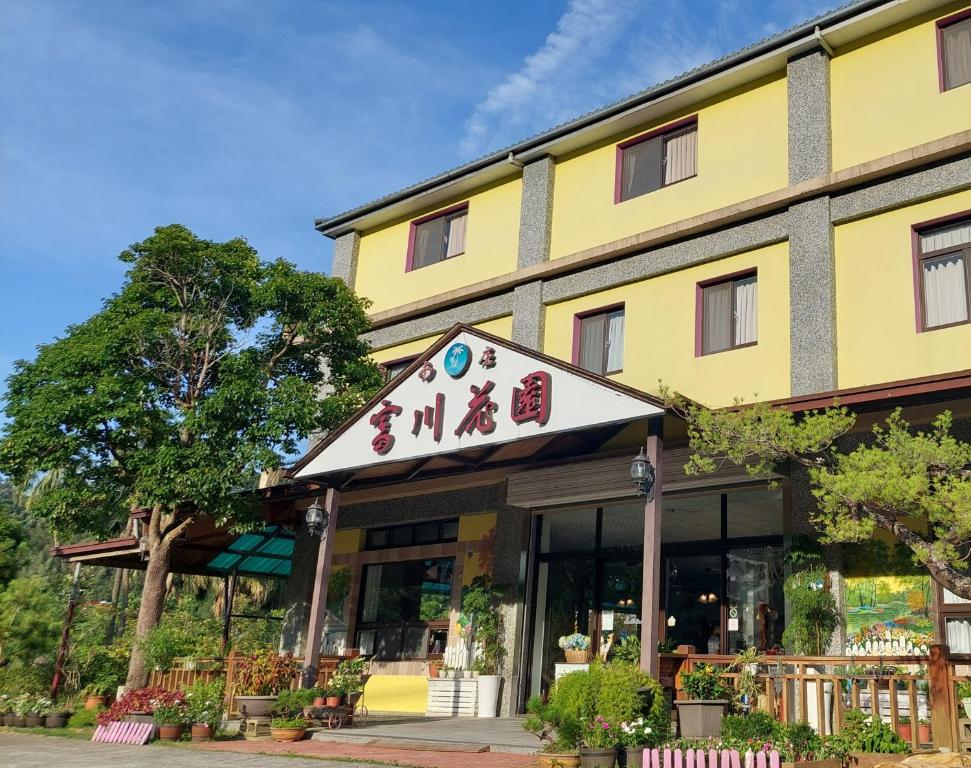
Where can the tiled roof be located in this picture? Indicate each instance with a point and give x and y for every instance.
(652, 92)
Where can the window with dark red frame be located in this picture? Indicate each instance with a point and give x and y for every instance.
(656, 159)
(954, 50)
(944, 263)
(394, 368)
(437, 237)
(599, 341)
(728, 313)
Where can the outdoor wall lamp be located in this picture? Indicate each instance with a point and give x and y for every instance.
(316, 518)
(642, 474)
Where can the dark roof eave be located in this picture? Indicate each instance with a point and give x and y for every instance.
(337, 225)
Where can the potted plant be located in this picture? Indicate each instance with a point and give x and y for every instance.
(700, 715)
(204, 707)
(598, 744)
(576, 648)
(319, 696)
(36, 714)
(19, 707)
(924, 731)
(559, 733)
(434, 667)
(334, 692)
(261, 677)
(870, 741)
(287, 728)
(634, 737)
(96, 694)
(800, 746)
(903, 728)
(482, 611)
(170, 719)
(56, 715)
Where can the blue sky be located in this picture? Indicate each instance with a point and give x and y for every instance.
(252, 117)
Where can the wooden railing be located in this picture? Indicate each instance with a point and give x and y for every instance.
(184, 672)
(821, 689)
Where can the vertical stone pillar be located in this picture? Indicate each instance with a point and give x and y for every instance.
(536, 212)
(300, 588)
(528, 315)
(509, 569)
(810, 123)
(344, 264)
(651, 566)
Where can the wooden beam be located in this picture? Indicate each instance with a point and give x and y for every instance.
(318, 603)
(651, 573)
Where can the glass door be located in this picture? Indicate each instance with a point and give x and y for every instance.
(692, 598)
(620, 602)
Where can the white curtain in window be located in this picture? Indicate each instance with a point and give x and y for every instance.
(945, 291)
(680, 156)
(630, 163)
(957, 53)
(615, 342)
(372, 591)
(945, 237)
(422, 247)
(746, 310)
(951, 599)
(592, 330)
(456, 235)
(717, 317)
(959, 635)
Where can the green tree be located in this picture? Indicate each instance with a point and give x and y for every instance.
(914, 484)
(206, 367)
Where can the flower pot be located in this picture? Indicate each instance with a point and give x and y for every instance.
(698, 719)
(433, 670)
(320, 701)
(56, 720)
(94, 702)
(598, 758)
(287, 734)
(558, 760)
(35, 721)
(904, 731)
(255, 706)
(170, 732)
(201, 732)
(488, 695)
(15, 721)
(924, 733)
(631, 757)
(574, 656)
(333, 701)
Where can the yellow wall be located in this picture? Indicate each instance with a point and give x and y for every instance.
(473, 528)
(742, 152)
(877, 334)
(885, 95)
(500, 326)
(348, 540)
(396, 693)
(659, 332)
(491, 249)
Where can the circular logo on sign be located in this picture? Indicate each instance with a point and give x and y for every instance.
(458, 358)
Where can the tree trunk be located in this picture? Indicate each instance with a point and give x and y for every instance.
(150, 611)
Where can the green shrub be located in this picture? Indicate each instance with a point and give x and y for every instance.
(758, 725)
(704, 683)
(865, 734)
(83, 718)
(291, 703)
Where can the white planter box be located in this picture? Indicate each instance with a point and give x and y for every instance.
(452, 697)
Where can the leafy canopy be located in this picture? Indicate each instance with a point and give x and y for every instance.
(915, 484)
(206, 367)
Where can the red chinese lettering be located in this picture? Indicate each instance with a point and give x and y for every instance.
(381, 420)
(431, 417)
(533, 401)
(488, 358)
(480, 412)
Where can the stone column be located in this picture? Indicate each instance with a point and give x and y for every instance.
(529, 315)
(535, 233)
(344, 264)
(508, 568)
(300, 588)
(810, 131)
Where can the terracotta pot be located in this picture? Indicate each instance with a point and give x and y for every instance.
(170, 732)
(924, 733)
(333, 701)
(35, 721)
(56, 720)
(598, 758)
(904, 731)
(320, 701)
(433, 670)
(93, 702)
(577, 657)
(558, 760)
(201, 732)
(287, 734)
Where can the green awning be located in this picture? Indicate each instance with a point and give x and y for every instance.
(266, 554)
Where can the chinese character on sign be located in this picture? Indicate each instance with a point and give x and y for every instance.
(382, 422)
(432, 417)
(427, 372)
(480, 412)
(532, 402)
(488, 358)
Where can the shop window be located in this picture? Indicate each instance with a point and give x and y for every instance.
(691, 518)
(656, 159)
(437, 237)
(727, 314)
(431, 532)
(404, 608)
(599, 341)
(755, 513)
(572, 530)
(954, 50)
(623, 527)
(943, 262)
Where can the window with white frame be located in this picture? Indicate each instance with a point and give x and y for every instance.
(945, 274)
(729, 314)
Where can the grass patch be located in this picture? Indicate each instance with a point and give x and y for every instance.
(64, 733)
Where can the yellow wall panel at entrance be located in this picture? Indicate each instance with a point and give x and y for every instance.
(877, 335)
(886, 97)
(659, 332)
(500, 326)
(474, 527)
(348, 540)
(491, 249)
(396, 693)
(742, 152)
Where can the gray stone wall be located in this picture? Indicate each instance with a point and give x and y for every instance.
(529, 315)
(536, 212)
(346, 250)
(299, 591)
(810, 136)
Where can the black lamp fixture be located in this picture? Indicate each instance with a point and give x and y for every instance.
(642, 474)
(316, 518)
